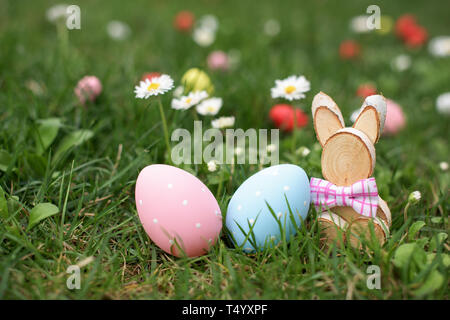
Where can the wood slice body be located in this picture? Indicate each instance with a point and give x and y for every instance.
(349, 215)
(353, 225)
(360, 229)
(332, 228)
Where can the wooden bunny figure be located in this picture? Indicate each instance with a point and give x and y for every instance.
(347, 197)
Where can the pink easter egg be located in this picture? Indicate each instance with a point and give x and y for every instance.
(177, 209)
(395, 118)
(88, 88)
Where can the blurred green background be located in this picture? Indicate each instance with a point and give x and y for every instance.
(92, 176)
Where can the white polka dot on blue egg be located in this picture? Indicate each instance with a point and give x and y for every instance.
(248, 209)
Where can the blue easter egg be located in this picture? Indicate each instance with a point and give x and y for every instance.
(248, 208)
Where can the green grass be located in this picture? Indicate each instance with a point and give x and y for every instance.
(92, 182)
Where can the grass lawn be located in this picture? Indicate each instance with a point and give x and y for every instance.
(88, 161)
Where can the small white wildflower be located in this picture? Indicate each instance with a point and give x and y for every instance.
(305, 151)
(57, 12)
(238, 151)
(358, 24)
(443, 165)
(414, 197)
(291, 88)
(209, 106)
(443, 103)
(272, 27)
(223, 122)
(212, 166)
(401, 62)
(153, 87)
(118, 30)
(204, 37)
(186, 102)
(440, 46)
(209, 21)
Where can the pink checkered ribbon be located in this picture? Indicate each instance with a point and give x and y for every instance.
(362, 196)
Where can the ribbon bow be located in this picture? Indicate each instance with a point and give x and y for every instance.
(362, 196)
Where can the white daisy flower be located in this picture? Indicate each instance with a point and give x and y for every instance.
(212, 166)
(291, 88)
(223, 122)
(209, 21)
(153, 87)
(57, 12)
(358, 24)
(186, 102)
(440, 46)
(204, 37)
(209, 106)
(401, 62)
(443, 103)
(118, 30)
(272, 27)
(443, 165)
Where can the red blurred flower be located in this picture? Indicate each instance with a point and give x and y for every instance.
(349, 49)
(404, 24)
(366, 90)
(150, 75)
(184, 21)
(412, 34)
(416, 37)
(282, 116)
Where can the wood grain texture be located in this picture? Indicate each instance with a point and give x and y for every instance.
(360, 229)
(348, 156)
(332, 228)
(327, 118)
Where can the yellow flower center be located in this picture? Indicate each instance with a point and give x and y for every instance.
(188, 100)
(153, 86)
(289, 89)
(210, 108)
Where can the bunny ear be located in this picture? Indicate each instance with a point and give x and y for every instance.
(371, 117)
(327, 117)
